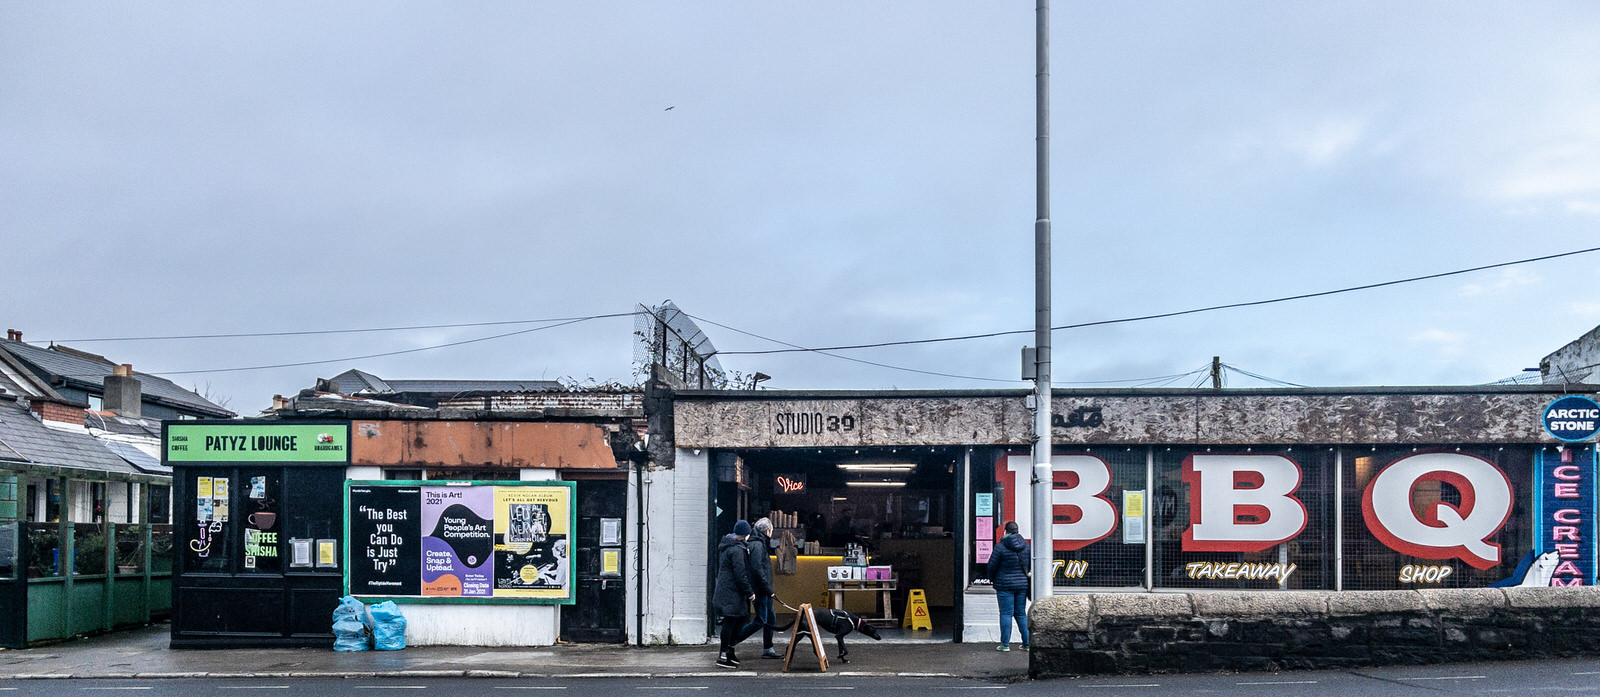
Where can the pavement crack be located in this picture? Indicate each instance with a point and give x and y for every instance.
(1393, 681)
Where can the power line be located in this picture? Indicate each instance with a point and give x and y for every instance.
(929, 372)
(849, 358)
(1178, 313)
(1262, 378)
(313, 332)
(393, 353)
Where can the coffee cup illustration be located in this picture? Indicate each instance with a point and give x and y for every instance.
(263, 520)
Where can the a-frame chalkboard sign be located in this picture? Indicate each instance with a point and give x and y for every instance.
(808, 620)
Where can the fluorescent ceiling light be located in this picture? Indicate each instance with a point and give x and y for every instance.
(875, 484)
(877, 467)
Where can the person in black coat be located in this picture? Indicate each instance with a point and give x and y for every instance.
(761, 578)
(1008, 570)
(733, 592)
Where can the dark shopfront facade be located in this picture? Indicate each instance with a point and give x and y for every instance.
(1354, 489)
(489, 533)
(259, 531)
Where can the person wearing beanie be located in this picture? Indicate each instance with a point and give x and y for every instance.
(732, 593)
(761, 579)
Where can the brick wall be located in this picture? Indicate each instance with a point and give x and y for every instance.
(1111, 633)
(53, 411)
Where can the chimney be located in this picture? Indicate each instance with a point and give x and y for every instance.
(121, 394)
(13, 335)
(280, 403)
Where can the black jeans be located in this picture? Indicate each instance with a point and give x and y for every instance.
(732, 629)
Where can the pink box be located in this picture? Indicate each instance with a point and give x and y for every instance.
(879, 573)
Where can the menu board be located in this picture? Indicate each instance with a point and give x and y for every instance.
(502, 541)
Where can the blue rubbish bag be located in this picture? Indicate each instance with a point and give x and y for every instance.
(388, 626)
(350, 631)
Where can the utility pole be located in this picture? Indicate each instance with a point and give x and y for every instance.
(1216, 372)
(1043, 476)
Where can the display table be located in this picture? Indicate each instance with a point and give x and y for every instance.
(838, 589)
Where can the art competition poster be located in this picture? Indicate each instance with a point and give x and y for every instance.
(531, 546)
(458, 541)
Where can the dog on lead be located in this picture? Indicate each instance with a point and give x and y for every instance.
(839, 623)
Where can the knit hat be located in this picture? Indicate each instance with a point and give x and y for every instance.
(741, 528)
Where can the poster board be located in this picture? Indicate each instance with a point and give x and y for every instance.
(460, 542)
(806, 618)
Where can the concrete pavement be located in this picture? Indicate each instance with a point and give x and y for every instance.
(143, 653)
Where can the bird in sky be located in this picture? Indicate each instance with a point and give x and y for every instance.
(670, 108)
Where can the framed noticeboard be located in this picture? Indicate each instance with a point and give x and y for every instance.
(460, 542)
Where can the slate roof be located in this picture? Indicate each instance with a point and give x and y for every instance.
(352, 382)
(89, 371)
(140, 459)
(35, 443)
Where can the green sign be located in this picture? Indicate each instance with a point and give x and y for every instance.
(257, 443)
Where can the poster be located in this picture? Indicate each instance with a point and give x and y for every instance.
(384, 545)
(1133, 517)
(458, 545)
(984, 549)
(530, 542)
(984, 505)
(464, 542)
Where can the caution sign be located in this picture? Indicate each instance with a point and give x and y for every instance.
(916, 616)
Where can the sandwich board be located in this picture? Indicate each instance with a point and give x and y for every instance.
(808, 619)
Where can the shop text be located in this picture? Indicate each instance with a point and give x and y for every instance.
(790, 423)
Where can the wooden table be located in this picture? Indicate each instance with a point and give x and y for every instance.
(839, 588)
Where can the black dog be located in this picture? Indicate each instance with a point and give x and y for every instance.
(839, 623)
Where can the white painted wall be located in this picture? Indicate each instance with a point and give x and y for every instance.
(481, 625)
(661, 539)
(117, 502)
(689, 552)
(363, 472)
(980, 618)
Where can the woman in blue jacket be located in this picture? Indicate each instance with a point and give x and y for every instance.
(1008, 570)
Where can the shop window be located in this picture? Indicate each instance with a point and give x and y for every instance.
(10, 533)
(160, 503)
(404, 475)
(52, 500)
(208, 530)
(88, 549)
(44, 549)
(259, 514)
(1305, 561)
(311, 520)
(8, 497)
(1371, 564)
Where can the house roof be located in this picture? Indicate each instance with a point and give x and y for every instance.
(353, 382)
(141, 460)
(35, 443)
(88, 371)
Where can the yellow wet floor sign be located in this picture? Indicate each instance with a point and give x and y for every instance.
(916, 616)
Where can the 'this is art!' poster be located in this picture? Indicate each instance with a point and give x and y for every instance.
(458, 541)
(530, 542)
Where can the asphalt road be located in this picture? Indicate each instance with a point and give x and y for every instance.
(1512, 678)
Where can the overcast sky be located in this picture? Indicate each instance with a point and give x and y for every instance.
(819, 173)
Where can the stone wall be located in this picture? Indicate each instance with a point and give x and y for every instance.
(1110, 633)
(1217, 417)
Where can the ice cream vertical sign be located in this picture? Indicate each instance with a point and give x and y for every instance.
(1567, 490)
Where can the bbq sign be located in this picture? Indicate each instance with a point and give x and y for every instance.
(1572, 418)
